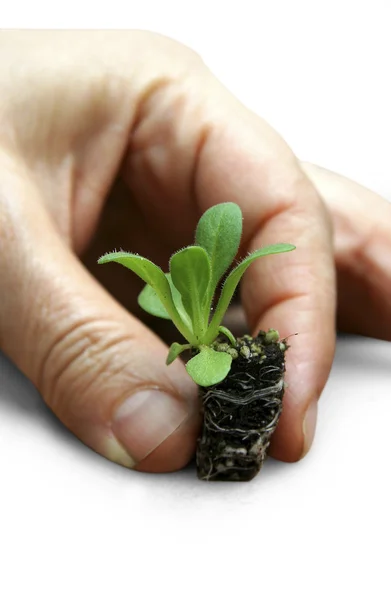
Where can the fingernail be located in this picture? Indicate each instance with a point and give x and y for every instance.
(309, 426)
(145, 420)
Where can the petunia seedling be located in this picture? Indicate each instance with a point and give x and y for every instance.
(186, 294)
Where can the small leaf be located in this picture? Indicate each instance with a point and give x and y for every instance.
(232, 281)
(190, 273)
(175, 350)
(151, 303)
(209, 367)
(219, 231)
(143, 267)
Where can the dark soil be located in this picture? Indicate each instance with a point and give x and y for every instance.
(241, 413)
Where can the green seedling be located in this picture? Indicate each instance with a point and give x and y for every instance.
(186, 294)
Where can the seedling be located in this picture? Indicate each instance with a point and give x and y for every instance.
(187, 293)
(241, 380)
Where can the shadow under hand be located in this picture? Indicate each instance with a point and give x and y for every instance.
(19, 398)
(364, 355)
(17, 393)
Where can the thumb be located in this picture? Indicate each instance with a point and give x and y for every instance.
(98, 368)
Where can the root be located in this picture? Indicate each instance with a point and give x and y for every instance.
(240, 416)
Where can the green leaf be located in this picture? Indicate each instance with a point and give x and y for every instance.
(151, 303)
(177, 299)
(190, 273)
(175, 350)
(231, 283)
(219, 231)
(209, 367)
(155, 277)
(143, 267)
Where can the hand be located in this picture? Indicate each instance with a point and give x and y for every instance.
(113, 139)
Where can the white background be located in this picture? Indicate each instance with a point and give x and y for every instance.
(73, 525)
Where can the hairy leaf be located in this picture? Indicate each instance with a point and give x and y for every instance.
(190, 273)
(219, 231)
(232, 281)
(209, 367)
(155, 277)
(143, 267)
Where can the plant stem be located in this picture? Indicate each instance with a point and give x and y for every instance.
(228, 334)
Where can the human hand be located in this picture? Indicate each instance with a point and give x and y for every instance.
(138, 119)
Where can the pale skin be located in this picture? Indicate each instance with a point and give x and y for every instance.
(133, 127)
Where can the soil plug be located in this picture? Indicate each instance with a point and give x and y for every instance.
(241, 413)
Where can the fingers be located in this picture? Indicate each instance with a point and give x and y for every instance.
(362, 232)
(295, 292)
(99, 369)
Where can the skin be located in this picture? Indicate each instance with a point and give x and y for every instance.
(123, 139)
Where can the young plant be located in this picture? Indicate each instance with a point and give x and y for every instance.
(186, 294)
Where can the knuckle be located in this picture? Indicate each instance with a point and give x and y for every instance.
(79, 363)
